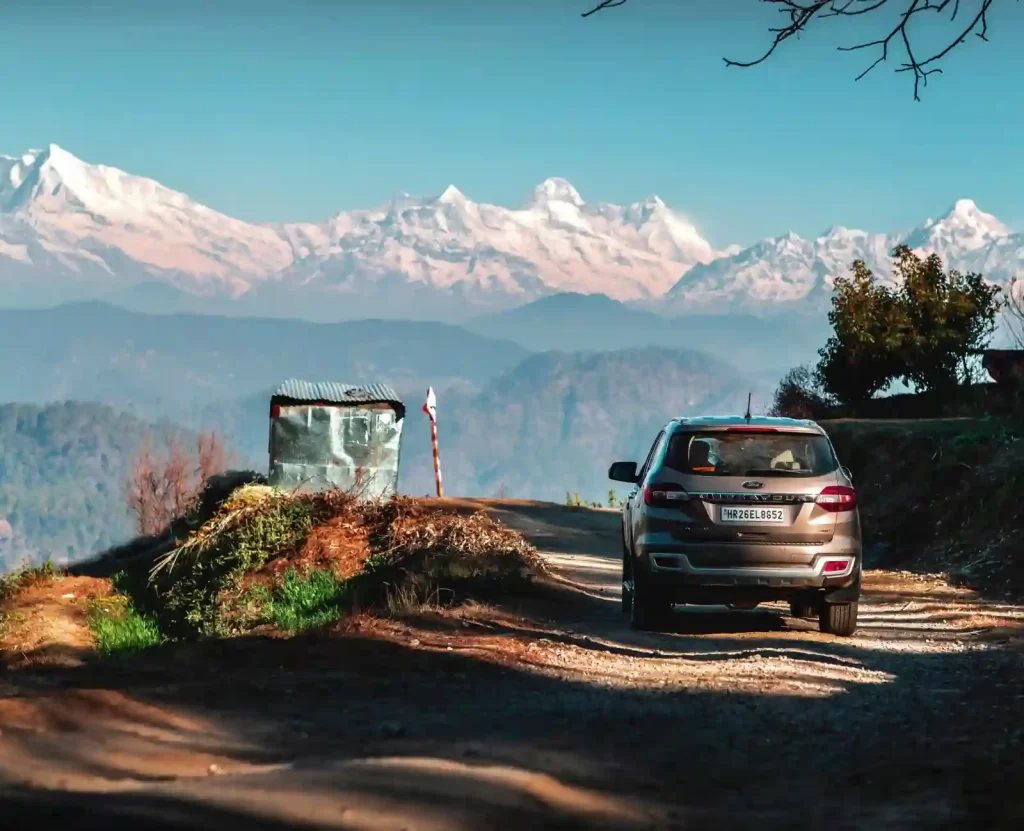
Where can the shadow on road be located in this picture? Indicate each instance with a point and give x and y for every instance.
(554, 715)
(724, 755)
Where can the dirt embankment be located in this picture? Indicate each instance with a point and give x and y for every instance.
(46, 621)
(941, 495)
(544, 711)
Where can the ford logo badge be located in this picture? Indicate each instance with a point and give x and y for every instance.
(753, 485)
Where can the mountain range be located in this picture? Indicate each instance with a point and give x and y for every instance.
(70, 230)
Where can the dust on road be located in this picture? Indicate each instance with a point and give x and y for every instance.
(548, 712)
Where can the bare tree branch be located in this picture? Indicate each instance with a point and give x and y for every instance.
(802, 13)
(159, 490)
(604, 4)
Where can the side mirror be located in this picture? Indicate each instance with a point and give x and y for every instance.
(623, 472)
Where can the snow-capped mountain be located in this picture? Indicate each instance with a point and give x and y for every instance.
(484, 253)
(62, 220)
(78, 227)
(74, 230)
(789, 273)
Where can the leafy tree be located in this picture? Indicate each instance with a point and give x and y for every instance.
(949, 316)
(863, 354)
(923, 332)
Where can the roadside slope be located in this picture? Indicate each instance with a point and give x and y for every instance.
(940, 495)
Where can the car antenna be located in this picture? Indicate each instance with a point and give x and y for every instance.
(746, 416)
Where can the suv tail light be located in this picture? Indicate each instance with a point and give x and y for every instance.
(664, 494)
(837, 498)
(835, 566)
(751, 429)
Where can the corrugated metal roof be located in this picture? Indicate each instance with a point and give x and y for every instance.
(336, 393)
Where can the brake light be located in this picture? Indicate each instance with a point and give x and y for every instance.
(834, 566)
(664, 494)
(751, 430)
(837, 498)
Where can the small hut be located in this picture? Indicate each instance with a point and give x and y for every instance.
(326, 435)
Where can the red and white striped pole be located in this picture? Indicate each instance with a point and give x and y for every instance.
(430, 408)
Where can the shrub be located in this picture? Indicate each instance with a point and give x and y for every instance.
(14, 581)
(799, 396)
(197, 581)
(227, 576)
(429, 552)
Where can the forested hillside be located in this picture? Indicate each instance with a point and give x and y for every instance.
(550, 425)
(555, 422)
(62, 472)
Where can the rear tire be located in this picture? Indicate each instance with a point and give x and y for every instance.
(838, 619)
(802, 610)
(649, 609)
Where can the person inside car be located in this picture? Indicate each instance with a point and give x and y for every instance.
(700, 458)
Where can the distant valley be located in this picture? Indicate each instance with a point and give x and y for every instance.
(575, 322)
(525, 423)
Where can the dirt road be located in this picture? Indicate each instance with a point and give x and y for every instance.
(545, 713)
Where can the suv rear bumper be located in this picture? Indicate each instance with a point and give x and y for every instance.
(673, 571)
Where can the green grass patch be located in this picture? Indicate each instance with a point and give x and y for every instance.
(301, 602)
(196, 587)
(119, 629)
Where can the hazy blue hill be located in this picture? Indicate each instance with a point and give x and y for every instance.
(574, 322)
(556, 421)
(512, 421)
(176, 365)
(551, 423)
(62, 473)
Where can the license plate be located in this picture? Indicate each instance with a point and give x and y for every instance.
(756, 515)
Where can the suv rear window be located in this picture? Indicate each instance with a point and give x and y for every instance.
(731, 453)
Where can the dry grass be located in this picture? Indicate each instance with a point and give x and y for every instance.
(255, 556)
(296, 560)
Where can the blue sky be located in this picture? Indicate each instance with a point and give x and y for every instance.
(293, 111)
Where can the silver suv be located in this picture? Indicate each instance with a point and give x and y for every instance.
(739, 511)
